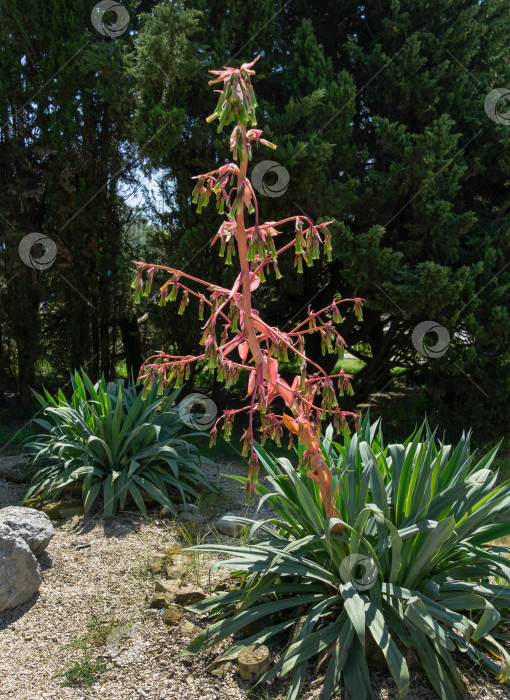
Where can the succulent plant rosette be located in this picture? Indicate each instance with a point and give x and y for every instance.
(235, 337)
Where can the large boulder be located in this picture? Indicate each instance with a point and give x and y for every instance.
(32, 526)
(20, 575)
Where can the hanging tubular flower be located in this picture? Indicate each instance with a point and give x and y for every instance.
(248, 344)
(358, 308)
(184, 302)
(213, 435)
(344, 383)
(254, 135)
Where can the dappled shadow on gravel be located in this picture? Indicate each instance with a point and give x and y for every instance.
(121, 525)
(9, 617)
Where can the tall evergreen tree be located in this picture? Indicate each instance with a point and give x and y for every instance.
(64, 103)
(435, 176)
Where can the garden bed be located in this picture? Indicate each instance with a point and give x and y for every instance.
(91, 621)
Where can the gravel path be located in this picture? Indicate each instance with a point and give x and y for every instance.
(94, 601)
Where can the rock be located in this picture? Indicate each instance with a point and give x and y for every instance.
(156, 563)
(189, 629)
(57, 510)
(165, 513)
(229, 527)
(221, 586)
(32, 526)
(222, 670)
(188, 517)
(70, 510)
(20, 575)
(52, 510)
(167, 586)
(161, 600)
(188, 508)
(171, 617)
(9, 468)
(189, 595)
(253, 662)
(174, 572)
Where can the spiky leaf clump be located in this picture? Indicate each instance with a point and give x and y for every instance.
(414, 569)
(113, 441)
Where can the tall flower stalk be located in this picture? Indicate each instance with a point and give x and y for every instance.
(246, 341)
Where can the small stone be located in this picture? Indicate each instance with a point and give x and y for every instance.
(161, 600)
(156, 563)
(188, 517)
(187, 661)
(189, 629)
(52, 510)
(171, 617)
(167, 586)
(189, 595)
(59, 509)
(174, 572)
(253, 662)
(188, 508)
(170, 552)
(221, 586)
(229, 527)
(221, 671)
(165, 513)
(70, 511)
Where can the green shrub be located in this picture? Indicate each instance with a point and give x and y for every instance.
(113, 442)
(413, 570)
(84, 672)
